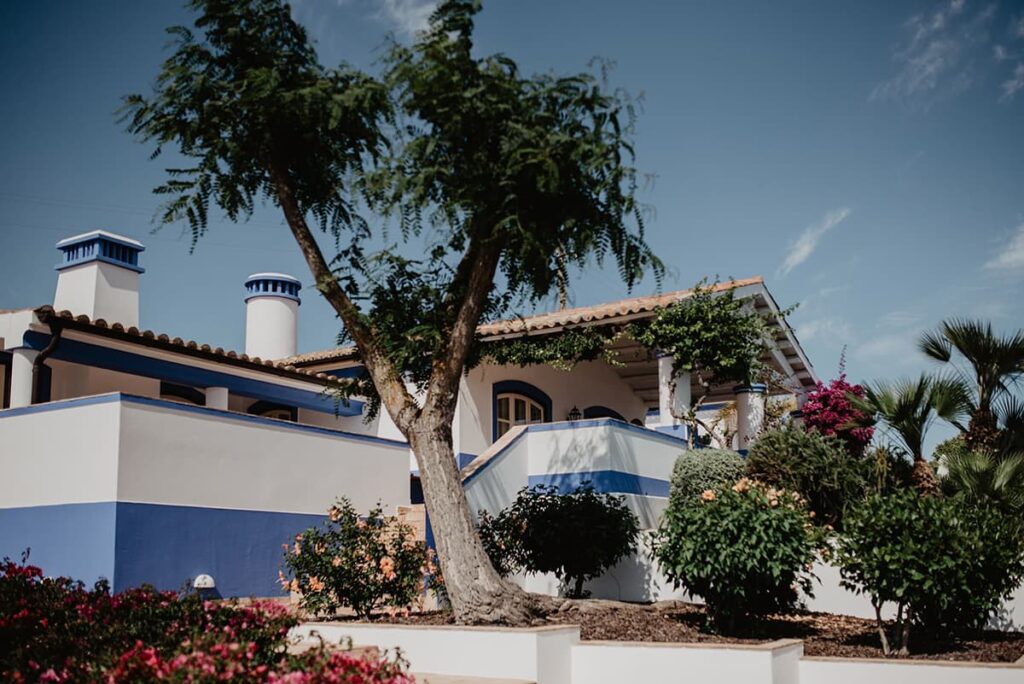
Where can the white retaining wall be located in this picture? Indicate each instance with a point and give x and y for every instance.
(555, 655)
(540, 654)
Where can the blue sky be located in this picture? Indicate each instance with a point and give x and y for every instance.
(866, 158)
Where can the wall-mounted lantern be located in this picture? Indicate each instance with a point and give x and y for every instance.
(574, 414)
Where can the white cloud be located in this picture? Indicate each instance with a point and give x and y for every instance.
(805, 245)
(830, 328)
(407, 16)
(1011, 256)
(1015, 83)
(899, 345)
(937, 57)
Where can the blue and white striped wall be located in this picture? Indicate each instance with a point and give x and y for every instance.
(615, 457)
(142, 490)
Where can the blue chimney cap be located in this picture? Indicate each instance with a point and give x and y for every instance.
(272, 285)
(100, 245)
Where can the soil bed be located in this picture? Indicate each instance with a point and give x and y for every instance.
(823, 634)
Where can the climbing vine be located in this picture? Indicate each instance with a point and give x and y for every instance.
(713, 334)
(561, 350)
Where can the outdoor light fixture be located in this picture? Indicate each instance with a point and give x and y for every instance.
(574, 414)
(204, 582)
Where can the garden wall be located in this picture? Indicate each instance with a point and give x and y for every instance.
(555, 655)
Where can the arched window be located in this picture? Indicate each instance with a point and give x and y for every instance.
(516, 409)
(518, 403)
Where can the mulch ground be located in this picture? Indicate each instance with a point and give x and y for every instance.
(823, 634)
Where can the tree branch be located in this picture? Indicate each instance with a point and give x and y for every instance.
(386, 379)
(479, 265)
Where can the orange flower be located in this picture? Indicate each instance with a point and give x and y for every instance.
(708, 495)
(336, 561)
(741, 486)
(387, 566)
(315, 584)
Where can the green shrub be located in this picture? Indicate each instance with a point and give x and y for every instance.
(744, 549)
(362, 562)
(818, 467)
(945, 564)
(698, 470)
(576, 536)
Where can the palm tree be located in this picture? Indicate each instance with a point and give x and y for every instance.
(994, 363)
(983, 477)
(908, 408)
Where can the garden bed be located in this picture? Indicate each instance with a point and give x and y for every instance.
(823, 634)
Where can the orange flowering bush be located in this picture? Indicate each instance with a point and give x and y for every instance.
(366, 563)
(745, 548)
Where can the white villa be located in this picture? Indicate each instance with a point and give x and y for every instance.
(141, 457)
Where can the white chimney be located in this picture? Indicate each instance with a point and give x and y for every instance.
(271, 315)
(99, 276)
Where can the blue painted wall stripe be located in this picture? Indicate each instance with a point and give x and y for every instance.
(76, 351)
(74, 540)
(166, 546)
(202, 410)
(169, 545)
(606, 481)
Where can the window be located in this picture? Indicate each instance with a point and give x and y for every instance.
(266, 409)
(181, 394)
(516, 409)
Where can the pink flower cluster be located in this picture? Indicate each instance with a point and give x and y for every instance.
(829, 411)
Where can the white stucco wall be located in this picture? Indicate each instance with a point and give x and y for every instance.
(199, 459)
(271, 327)
(99, 290)
(591, 383)
(70, 380)
(59, 457)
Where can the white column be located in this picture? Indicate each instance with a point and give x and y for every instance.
(749, 414)
(797, 416)
(21, 376)
(673, 392)
(217, 398)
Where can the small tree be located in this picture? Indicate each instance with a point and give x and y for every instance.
(945, 565)
(497, 173)
(744, 549)
(576, 536)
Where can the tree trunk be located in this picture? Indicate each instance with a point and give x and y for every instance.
(923, 478)
(478, 594)
(982, 430)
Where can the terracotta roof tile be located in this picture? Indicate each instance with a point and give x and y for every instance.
(99, 326)
(548, 321)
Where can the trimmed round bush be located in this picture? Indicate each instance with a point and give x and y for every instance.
(575, 535)
(817, 466)
(947, 565)
(745, 549)
(698, 470)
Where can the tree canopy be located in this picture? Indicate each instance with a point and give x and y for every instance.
(498, 182)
